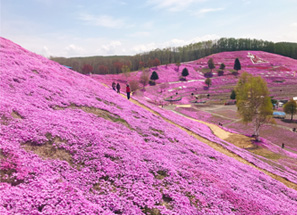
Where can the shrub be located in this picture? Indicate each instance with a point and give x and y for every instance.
(222, 66)
(152, 83)
(134, 85)
(182, 78)
(144, 78)
(235, 73)
(208, 74)
(220, 73)
(208, 82)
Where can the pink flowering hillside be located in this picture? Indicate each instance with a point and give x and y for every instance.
(278, 71)
(69, 145)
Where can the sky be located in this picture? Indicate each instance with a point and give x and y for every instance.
(73, 28)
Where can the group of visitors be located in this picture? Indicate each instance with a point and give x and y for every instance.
(117, 87)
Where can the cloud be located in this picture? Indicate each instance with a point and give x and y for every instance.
(103, 20)
(180, 42)
(148, 25)
(140, 48)
(294, 24)
(144, 47)
(93, 46)
(111, 48)
(140, 34)
(45, 2)
(70, 46)
(204, 11)
(172, 5)
(45, 51)
(175, 43)
(72, 50)
(246, 2)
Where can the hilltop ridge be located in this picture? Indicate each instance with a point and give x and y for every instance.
(70, 145)
(172, 55)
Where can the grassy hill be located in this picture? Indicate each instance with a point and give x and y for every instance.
(70, 145)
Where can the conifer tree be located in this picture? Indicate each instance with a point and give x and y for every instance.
(233, 95)
(154, 76)
(237, 65)
(185, 72)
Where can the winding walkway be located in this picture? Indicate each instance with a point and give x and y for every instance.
(224, 135)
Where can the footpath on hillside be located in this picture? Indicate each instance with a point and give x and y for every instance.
(236, 139)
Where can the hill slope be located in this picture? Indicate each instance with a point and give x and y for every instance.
(71, 146)
(278, 71)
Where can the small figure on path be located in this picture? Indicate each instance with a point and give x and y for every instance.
(113, 86)
(128, 91)
(118, 88)
(283, 145)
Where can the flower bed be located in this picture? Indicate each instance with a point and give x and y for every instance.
(69, 145)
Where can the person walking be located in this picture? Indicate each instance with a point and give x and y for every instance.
(118, 88)
(113, 86)
(128, 91)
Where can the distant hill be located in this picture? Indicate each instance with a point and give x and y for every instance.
(113, 64)
(70, 145)
(278, 71)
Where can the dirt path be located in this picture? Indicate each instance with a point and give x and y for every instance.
(239, 140)
(236, 139)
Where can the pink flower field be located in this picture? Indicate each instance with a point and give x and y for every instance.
(278, 71)
(70, 145)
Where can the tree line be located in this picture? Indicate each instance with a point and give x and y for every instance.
(194, 51)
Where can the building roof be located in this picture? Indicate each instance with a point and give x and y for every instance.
(69, 67)
(278, 113)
